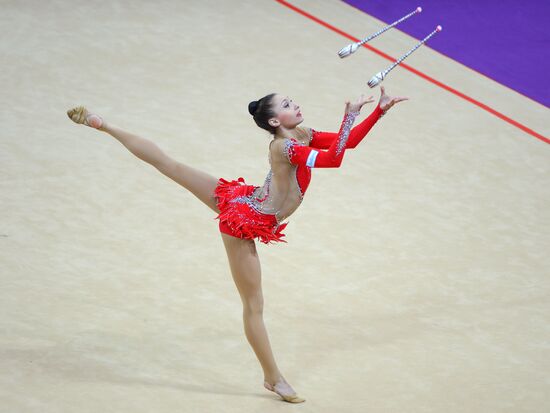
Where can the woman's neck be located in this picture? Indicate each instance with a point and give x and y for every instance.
(284, 133)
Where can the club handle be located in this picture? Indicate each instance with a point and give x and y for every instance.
(352, 47)
(395, 23)
(437, 30)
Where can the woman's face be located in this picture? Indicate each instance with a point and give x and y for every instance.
(287, 112)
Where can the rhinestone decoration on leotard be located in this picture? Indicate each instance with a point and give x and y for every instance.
(288, 148)
(259, 199)
(239, 215)
(345, 130)
(248, 200)
(288, 151)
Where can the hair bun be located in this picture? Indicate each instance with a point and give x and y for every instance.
(252, 107)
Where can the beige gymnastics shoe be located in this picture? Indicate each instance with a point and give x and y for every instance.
(283, 389)
(81, 115)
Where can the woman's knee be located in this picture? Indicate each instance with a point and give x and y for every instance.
(253, 305)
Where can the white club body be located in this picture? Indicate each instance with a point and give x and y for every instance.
(349, 49)
(376, 79)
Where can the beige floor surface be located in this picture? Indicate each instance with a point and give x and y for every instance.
(415, 278)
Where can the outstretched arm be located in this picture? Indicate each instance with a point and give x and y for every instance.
(298, 154)
(323, 140)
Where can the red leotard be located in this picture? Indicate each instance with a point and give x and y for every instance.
(307, 157)
(248, 211)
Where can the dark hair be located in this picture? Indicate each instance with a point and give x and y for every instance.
(261, 110)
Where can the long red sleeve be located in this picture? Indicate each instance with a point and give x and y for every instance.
(323, 140)
(298, 154)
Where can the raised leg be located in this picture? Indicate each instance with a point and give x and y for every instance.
(199, 183)
(245, 269)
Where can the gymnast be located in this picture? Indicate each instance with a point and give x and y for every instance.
(248, 212)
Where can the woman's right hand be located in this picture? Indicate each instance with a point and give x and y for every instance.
(386, 102)
(356, 107)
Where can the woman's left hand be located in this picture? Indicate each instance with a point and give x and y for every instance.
(386, 101)
(356, 107)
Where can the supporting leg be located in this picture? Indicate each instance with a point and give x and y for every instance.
(245, 269)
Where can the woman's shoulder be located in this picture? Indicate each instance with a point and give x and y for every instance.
(300, 138)
(282, 147)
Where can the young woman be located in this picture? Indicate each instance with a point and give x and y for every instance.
(247, 212)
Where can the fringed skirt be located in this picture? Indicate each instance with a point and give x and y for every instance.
(239, 218)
